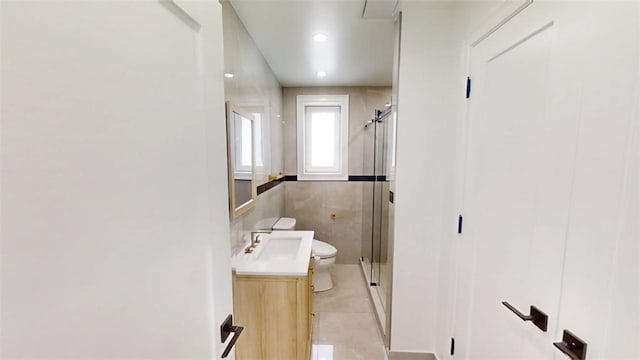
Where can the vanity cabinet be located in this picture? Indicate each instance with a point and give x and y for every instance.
(276, 314)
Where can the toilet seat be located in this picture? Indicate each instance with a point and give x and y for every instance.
(322, 249)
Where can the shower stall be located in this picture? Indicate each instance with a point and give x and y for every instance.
(379, 157)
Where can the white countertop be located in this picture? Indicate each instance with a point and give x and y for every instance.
(279, 253)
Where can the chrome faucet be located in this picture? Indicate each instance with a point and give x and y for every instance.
(255, 239)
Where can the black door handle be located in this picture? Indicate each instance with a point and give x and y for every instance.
(537, 317)
(226, 329)
(572, 346)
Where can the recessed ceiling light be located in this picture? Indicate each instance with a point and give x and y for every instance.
(320, 37)
(228, 75)
(321, 74)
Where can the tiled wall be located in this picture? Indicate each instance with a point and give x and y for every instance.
(254, 83)
(362, 103)
(269, 208)
(313, 202)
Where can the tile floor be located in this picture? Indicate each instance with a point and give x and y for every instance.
(345, 327)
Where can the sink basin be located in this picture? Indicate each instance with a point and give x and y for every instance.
(280, 253)
(281, 249)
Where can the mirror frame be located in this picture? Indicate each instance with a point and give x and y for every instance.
(234, 211)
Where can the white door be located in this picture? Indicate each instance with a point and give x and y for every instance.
(114, 220)
(551, 201)
(600, 292)
(619, 333)
(523, 122)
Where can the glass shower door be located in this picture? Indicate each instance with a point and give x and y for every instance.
(376, 202)
(380, 213)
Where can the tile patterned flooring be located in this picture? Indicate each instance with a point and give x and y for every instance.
(345, 326)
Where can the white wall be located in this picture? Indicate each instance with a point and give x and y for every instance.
(431, 113)
(427, 143)
(114, 223)
(254, 83)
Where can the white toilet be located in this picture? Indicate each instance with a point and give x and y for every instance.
(324, 256)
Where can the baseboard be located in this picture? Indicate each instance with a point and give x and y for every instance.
(393, 355)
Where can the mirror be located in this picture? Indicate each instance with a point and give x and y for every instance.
(241, 160)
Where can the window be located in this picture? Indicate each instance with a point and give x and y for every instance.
(243, 135)
(257, 123)
(259, 107)
(323, 126)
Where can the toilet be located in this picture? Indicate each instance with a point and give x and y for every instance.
(324, 256)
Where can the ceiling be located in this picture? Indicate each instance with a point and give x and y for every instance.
(357, 52)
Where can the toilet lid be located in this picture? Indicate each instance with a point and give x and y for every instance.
(322, 249)
(284, 223)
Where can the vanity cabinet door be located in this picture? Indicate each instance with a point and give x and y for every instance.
(305, 298)
(310, 312)
(275, 311)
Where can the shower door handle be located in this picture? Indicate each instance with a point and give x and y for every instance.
(537, 317)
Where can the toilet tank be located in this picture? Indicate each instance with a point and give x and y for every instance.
(285, 223)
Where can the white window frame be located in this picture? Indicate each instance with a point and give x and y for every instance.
(262, 138)
(243, 171)
(342, 168)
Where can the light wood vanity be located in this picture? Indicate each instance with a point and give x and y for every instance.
(276, 314)
(272, 300)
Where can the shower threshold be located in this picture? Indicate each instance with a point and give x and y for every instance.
(365, 265)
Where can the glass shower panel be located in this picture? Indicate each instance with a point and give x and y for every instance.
(386, 223)
(367, 201)
(380, 205)
(376, 233)
(375, 227)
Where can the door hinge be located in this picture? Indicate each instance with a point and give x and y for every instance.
(468, 87)
(453, 346)
(460, 224)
